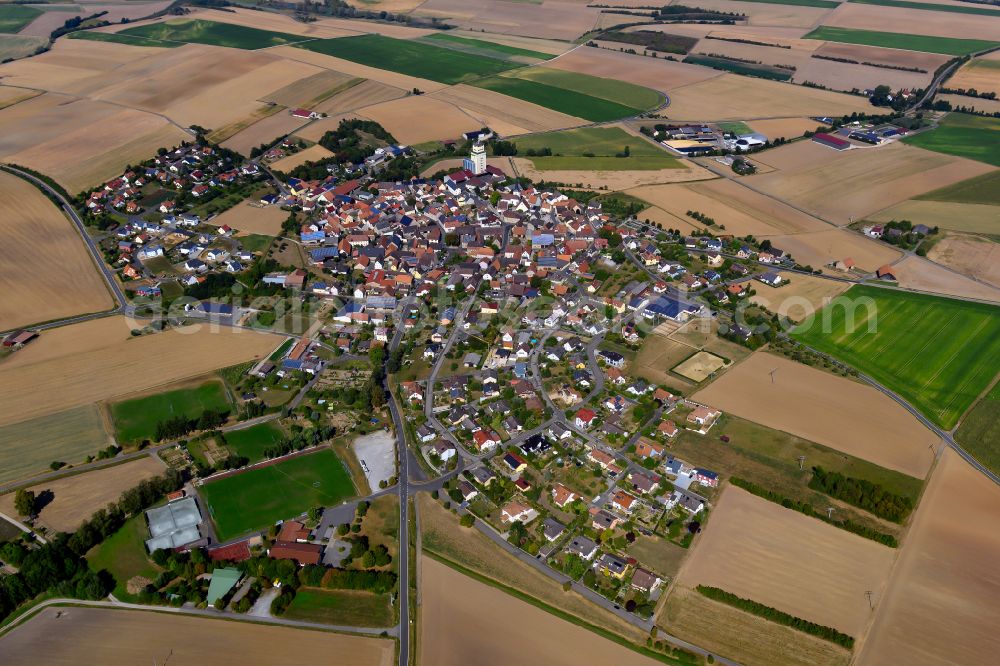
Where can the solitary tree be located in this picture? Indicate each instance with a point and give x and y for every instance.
(24, 502)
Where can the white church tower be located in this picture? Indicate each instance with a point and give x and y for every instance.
(476, 162)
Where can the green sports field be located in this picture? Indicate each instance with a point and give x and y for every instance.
(15, 17)
(483, 47)
(937, 353)
(899, 40)
(253, 500)
(119, 38)
(930, 6)
(975, 137)
(252, 442)
(136, 419)
(198, 31)
(570, 150)
(410, 57)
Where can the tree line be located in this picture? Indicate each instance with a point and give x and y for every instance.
(777, 616)
(863, 494)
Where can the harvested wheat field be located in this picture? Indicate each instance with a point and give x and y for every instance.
(974, 218)
(364, 94)
(784, 127)
(312, 90)
(847, 76)
(655, 73)
(799, 296)
(989, 106)
(19, 46)
(403, 81)
(79, 142)
(264, 131)
(99, 360)
(614, 180)
(9, 96)
(913, 21)
(551, 19)
(667, 220)
(313, 153)
(762, 551)
(459, 616)
(32, 228)
(420, 118)
(883, 56)
(735, 97)
(110, 636)
(75, 498)
(918, 273)
(751, 640)
(514, 113)
(974, 256)
(819, 248)
(816, 405)
(741, 210)
(250, 217)
(941, 605)
(848, 185)
(983, 74)
(29, 447)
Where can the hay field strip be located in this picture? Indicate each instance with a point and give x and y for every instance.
(898, 40)
(119, 38)
(984, 189)
(937, 353)
(15, 17)
(28, 447)
(211, 33)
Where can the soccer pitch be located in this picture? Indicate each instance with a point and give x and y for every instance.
(937, 353)
(253, 500)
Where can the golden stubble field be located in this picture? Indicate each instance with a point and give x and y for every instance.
(460, 616)
(76, 498)
(548, 19)
(253, 219)
(313, 153)
(98, 360)
(918, 273)
(46, 271)
(913, 21)
(800, 565)
(973, 218)
(975, 256)
(655, 73)
(108, 636)
(505, 114)
(983, 74)
(420, 118)
(841, 186)
(941, 605)
(834, 411)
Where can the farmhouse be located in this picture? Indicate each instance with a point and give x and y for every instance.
(302, 553)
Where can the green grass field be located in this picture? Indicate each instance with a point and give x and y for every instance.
(930, 6)
(136, 419)
(983, 189)
(602, 143)
(937, 353)
(15, 17)
(256, 242)
(251, 442)
(744, 68)
(343, 607)
(612, 90)
(198, 31)
(123, 554)
(735, 128)
(558, 99)
(27, 448)
(975, 137)
(409, 57)
(119, 38)
(260, 497)
(483, 47)
(979, 433)
(898, 40)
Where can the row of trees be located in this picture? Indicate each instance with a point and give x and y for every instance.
(863, 494)
(180, 425)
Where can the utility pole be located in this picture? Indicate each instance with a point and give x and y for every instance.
(829, 512)
(868, 593)
(772, 374)
(802, 459)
